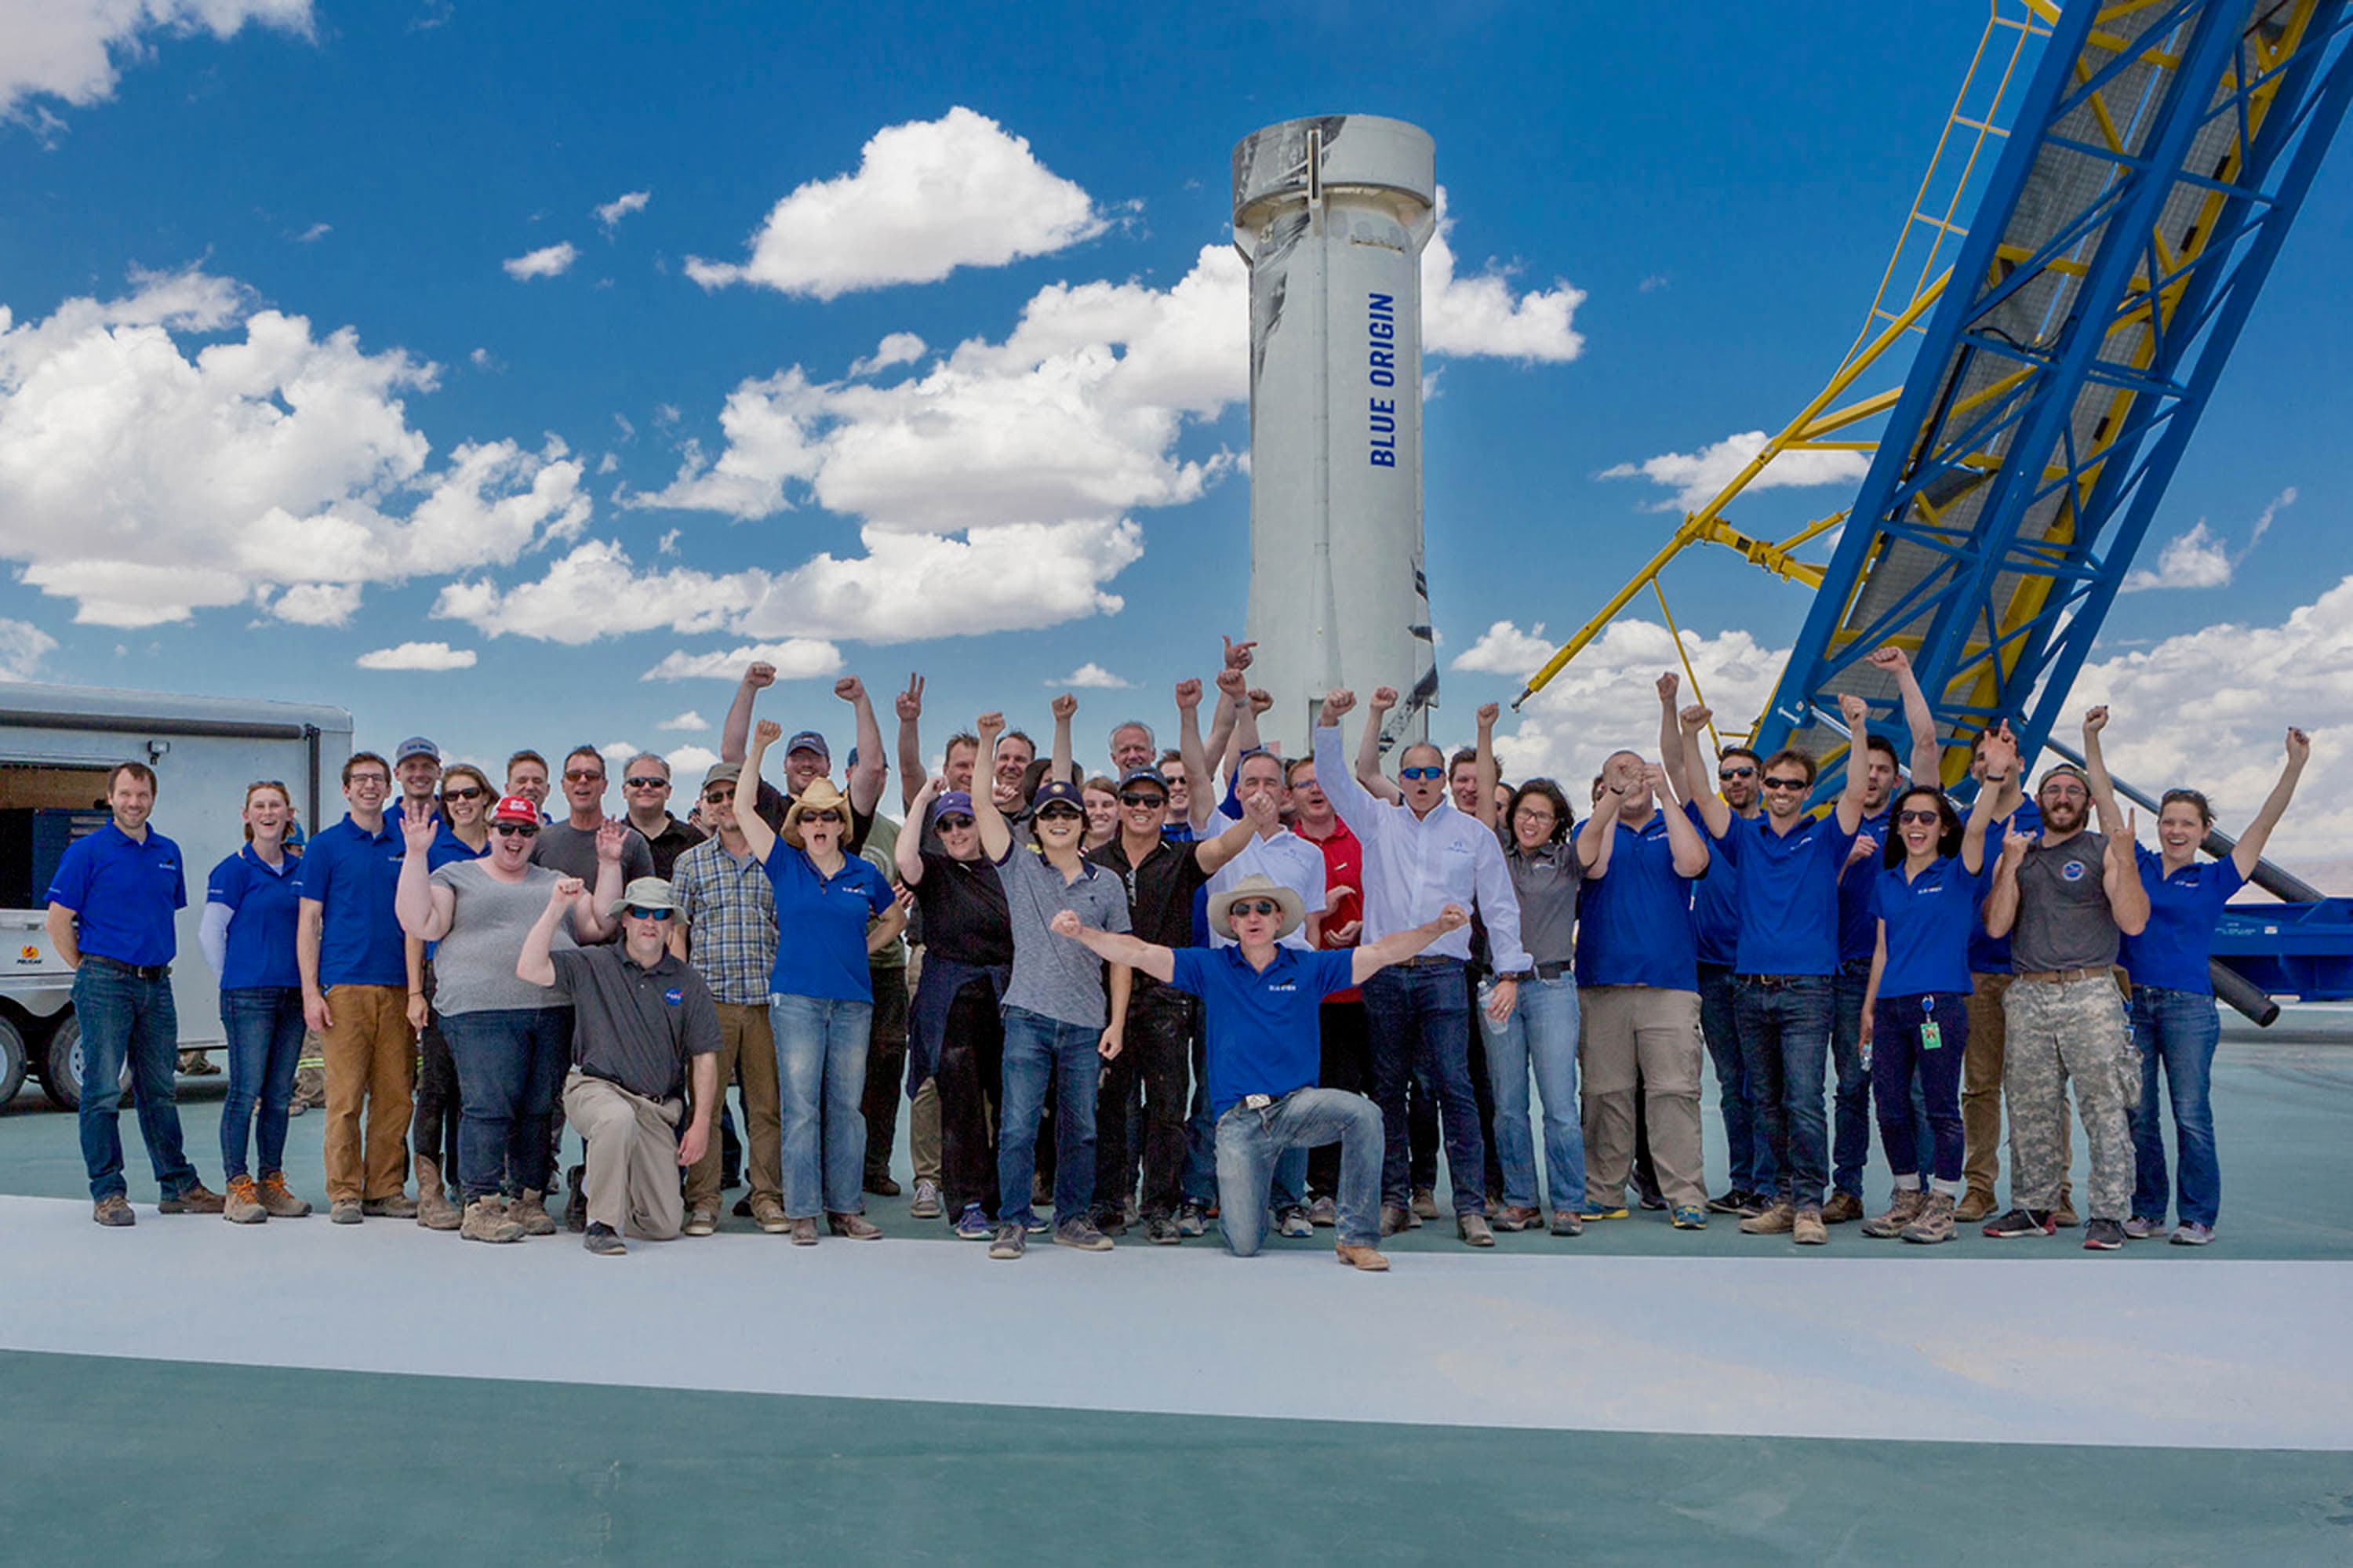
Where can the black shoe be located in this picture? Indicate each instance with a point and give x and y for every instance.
(603, 1240)
(743, 1209)
(2023, 1222)
(575, 1208)
(882, 1186)
(1729, 1203)
(2103, 1235)
(1651, 1198)
(1112, 1222)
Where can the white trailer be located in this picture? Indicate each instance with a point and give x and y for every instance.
(57, 746)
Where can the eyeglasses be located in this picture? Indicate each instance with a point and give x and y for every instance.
(1785, 784)
(364, 780)
(583, 776)
(1920, 817)
(466, 792)
(1141, 797)
(1728, 774)
(1254, 907)
(639, 912)
(515, 829)
(949, 824)
(2069, 790)
(810, 817)
(1421, 772)
(648, 783)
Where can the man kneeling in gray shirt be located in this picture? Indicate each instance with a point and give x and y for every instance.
(639, 1015)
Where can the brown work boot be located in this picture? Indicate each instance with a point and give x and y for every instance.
(1902, 1210)
(1367, 1258)
(198, 1199)
(113, 1210)
(1394, 1219)
(529, 1211)
(769, 1214)
(1934, 1223)
(434, 1211)
(1473, 1229)
(1842, 1208)
(1425, 1202)
(1511, 1217)
(2064, 1215)
(487, 1220)
(1806, 1228)
(856, 1227)
(1976, 1204)
(1777, 1220)
(399, 1206)
(281, 1203)
(243, 1204)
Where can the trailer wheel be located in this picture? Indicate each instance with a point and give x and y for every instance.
(12, 1060)
(61, 1073)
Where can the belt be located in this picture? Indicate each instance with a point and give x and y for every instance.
(1554, 971)
(1428, 962)
(137, 972)
(2065, 977)
(1777, 982)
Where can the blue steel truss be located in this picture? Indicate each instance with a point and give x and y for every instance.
(2157, 163)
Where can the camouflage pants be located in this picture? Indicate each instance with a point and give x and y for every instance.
(2063, 1031)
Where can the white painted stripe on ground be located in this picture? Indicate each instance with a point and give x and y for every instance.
(2131, 1350)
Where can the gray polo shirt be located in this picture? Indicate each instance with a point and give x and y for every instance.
(2064, 918)
(635, 1026)
(1547, 882)
(1053, 975)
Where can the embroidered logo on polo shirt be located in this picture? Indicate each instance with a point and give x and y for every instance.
(2072, 870)
(1283, 988)
(673, 996)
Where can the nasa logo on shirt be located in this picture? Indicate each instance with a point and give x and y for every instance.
(673, 996)
(1283, 988)
(2072, 870)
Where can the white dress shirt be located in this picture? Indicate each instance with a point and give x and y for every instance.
(1286, 860)
(1415, 866)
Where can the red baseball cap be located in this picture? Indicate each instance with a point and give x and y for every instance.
(515, 809)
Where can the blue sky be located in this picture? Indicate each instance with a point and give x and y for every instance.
(1653, 248)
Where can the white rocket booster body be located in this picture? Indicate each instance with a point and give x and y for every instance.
(1331, 214)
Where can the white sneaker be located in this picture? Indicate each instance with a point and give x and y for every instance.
(927, 1200)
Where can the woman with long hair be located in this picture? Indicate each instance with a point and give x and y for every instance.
(252, 912)
(464, 834)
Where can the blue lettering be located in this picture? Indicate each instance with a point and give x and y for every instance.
(1382, 304)
(1383, 378)
(1380, 328)
(1384, 459)
(1382, 359)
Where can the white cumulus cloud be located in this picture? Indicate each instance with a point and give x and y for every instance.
(23, 646)
(896, 348)
(610, 213)
(1695, 477)
(74, 51)
(1480, 315)
(2202, 558)
(594, 592)
(547, 261)
(1505, 650)
(1091, 675)
(927, 197)
(689, 720)
(799, 658)
(316, 604)
(688, 764)
(418, 656)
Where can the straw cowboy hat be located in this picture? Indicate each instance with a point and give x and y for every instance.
(820, 796)
(1256, 886)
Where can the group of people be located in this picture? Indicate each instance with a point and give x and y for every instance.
(1209, 983)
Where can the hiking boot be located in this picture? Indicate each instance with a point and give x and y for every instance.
(1324, 1213)
(1473, 1229)
(1425, 1202)
(1394, 1219)
(1974, 1205)
(281, 1203)
(770, 1217)
(804, 1232)
(1082, 1235)
(195, 1199)
(1011, 1241)
(927, 1205)
(1902, 1210)
(1602, 1209)
(1567, 1223)
(1161, 1231)
(243, 1204)
(576, 1207)
(2189, 1232)
(1192, 1219)
(2021, 1222)
(487, 1220)
(434, 1211)
(1842, 1208)
(855, 1227)
(882, 1186)
(529, 1211)
(1293, 1223)
(1727, 1204)
(1689, 1217)
(974, 1224)
(343, 1212)
(1934, 1222)
(399, 1206)
(2103, 1235)
(1777, 1220)
(700, 1223)
(2139, 1229)
(1367, 1258)
(114, 1209)
(2064, 1216)
(1806, 1228)
(1513, 1217)
(603, 1240)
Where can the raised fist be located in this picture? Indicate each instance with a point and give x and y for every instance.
(1188, 696)
(1694, 718)
(1487, 716)
(760, 675)
(2095, 719)
(1384, 699)
(1667, 686)
(850, 689)
(767, 732)
(1337, 703)
(1063, 706)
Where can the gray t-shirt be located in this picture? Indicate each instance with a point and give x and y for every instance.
(636, 1027)
(571, 852)
(1547, 884)
(1053, 975)
(2064, 918)
(474, 965)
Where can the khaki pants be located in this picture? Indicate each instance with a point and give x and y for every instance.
(1981, 1075)
(632, 1156)
(745, 1045)
(370, 1055)
(1634, 1032)
(923, 1132)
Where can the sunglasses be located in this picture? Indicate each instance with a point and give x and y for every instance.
(1254, 907)
(1730, 773)
(1421, 772)
(467, 793)
(583, 776)
(274, 784)
(949, 824)
(1785, 784)
(639, 912)
(1058, 812)
(1141, 797)
(810, 817)
(1920, 817)
(515, 829)
(645, 783)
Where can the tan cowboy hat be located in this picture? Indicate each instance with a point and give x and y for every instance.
(820, 796)
(1256, 886)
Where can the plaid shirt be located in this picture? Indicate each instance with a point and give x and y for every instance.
(731, 916)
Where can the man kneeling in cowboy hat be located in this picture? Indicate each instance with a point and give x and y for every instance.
(640, 1016)
(1265, 1049)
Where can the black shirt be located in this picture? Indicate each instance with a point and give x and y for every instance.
(1160, 891)
(771, 802)
(672, 843)
(963, 905)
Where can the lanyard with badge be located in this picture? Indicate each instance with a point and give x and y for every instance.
(1932, 1035)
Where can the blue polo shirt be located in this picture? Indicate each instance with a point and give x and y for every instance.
(1789, 894)
(825, 918)
(1928, 920)
(1715, 901)
(125, 892)
(1634, 921)
(448, 848)
(1990, 955)
(1858, 886)
(266, 907)
(2183, 909)
(1262, 1026)
(353, 874)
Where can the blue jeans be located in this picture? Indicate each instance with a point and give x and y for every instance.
(511, 1063)
(1420, 1013)
(2177, 1032)
(1904, 1073)
(1751, 1161)
(1042, 1052)
(821, 1087)
(1541, 1034)
(1252, 1143)
(124, 1018)
(265, 1042)
(1785, 1034)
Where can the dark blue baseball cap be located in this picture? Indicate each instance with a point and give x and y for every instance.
(1061, 790)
